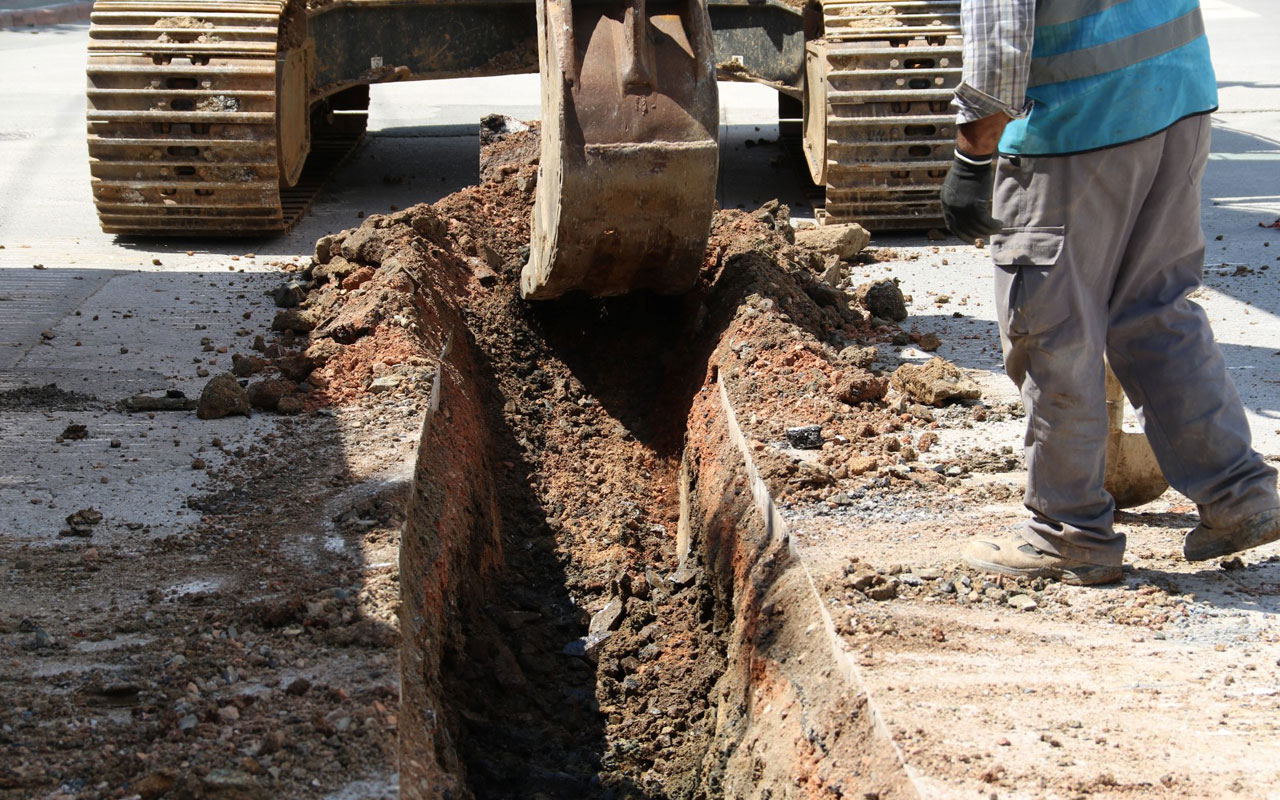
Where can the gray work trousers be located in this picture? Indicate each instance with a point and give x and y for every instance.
(1098, 255)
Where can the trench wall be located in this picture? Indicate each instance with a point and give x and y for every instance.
(791, 717)
(449, 546)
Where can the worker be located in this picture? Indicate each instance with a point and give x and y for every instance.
(1090, 121)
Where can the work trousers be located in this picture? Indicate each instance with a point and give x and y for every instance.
(1098, 255)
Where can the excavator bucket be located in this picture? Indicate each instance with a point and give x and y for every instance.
(626, 184)
(1133, 478)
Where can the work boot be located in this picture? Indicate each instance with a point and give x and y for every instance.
(1204, 542)
(1011, 555)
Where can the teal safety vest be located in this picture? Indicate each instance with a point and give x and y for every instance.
(1106, 72)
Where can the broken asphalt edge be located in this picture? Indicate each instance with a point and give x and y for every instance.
(58, 14)
(777, 525)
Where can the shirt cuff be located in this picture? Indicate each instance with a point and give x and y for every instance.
(972, 104)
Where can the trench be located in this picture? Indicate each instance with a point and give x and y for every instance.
(595, 603)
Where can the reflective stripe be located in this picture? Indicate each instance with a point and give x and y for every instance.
(1119, 54)
(1056, 12)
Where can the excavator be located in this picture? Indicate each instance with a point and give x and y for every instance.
(223, 117)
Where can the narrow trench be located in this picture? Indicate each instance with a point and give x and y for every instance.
(555, 646)
(589, 669)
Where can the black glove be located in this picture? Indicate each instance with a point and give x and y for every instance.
(966, 197)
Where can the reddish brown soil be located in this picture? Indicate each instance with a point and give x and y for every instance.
(587, 402)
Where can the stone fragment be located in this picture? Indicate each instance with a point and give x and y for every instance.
(842, 241)
(805, 437)
(427, 223)
(321, 350)
(295, 366)
(885, 591)
(82, 522)
(858, 356)
(882, 299)
(155, 785)
(288, 295)
(864, 579)
(358, 278)
(859, 465)
(244, 366)
(934, 383)
(232, 784)
(606, 619)
(298, 687)
(291, 405)
(859, 386)
(265, 395)
(325, 247)
(1022, 602)
(385, 383)
(366, 244)
(333, 271)
(222, 396)
(291, 319)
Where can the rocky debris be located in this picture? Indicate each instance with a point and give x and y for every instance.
(45, 398)
(858, 356)
(805, 437)
(291, 405)
(860, 386)
(842, 241)
(73, 432)
(291, 319)
(882, 299)
(173, 400)
(246, 366)
(223, 396)
(929, 342)
(82, 522)
(295, 366)
(934, 383)
(506, 144)
(1022, 602)
(265, 395)
(776, 216)
(288, 295)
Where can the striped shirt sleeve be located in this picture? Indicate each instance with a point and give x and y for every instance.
(998, 35)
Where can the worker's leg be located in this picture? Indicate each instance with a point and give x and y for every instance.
(1162, 349)
(1066, 222)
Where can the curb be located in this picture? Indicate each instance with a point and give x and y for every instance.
(48, 15)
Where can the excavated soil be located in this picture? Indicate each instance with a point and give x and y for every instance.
(581, 660)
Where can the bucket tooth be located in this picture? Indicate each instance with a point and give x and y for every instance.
(626, 184)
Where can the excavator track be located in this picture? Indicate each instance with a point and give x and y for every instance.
(197, 120)
(878, 133)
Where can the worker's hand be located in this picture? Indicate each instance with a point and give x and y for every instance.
(966, 197)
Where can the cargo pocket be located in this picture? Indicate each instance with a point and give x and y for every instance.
(1031, 297)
